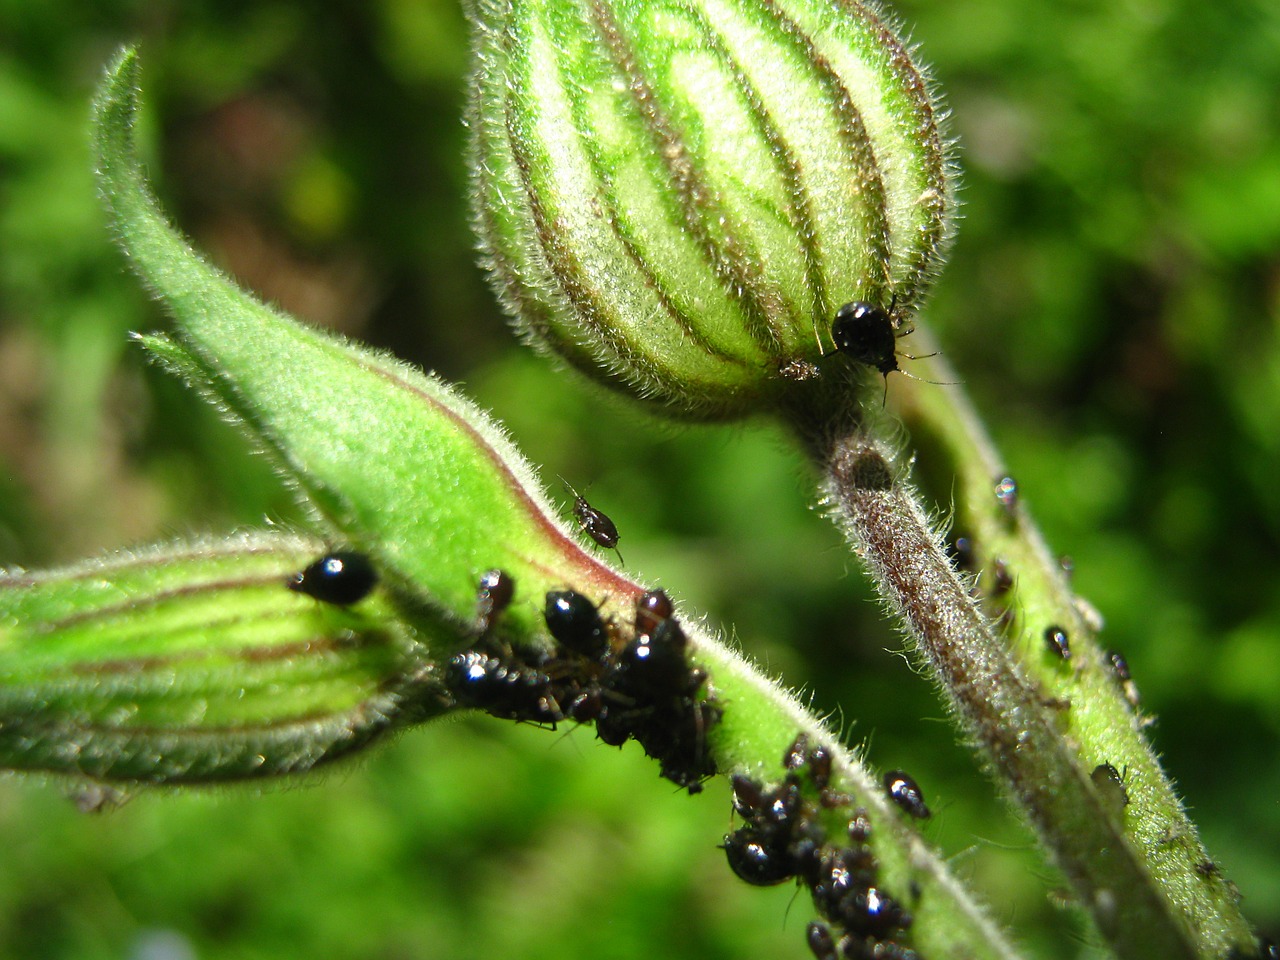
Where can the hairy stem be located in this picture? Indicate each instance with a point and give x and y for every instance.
(760, 719)
(1045, 724)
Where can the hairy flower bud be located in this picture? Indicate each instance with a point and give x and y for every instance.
(677, 196)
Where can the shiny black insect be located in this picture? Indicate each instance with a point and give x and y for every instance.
(1108, 782)
(497, 590)
(1058, 642)
(859, 829)
(821, 943)
(654, 666)
(502, 687)
(771, 846)
(756, 863)
(575, 623)
(906, 793)
(868, 334)
(342, 577)
(845, 892)
(650, 695)
(594, 523)
(814, 759)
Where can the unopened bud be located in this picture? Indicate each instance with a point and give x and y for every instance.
(677, 197)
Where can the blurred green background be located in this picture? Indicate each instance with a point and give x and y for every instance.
(1112, 304)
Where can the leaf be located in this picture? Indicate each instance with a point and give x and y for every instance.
(391, 461)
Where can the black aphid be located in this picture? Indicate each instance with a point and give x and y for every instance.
(1108, 782)
(906, 793)
(867, 334)
(651, 609)
(576, 623)
(821, 943)
(756, 863)
(342, 577)
(502, 687)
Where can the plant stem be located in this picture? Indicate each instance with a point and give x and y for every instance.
(1044, 724)
(761, 719)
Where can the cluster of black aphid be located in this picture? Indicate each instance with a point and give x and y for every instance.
(634, 684)
(782, 837)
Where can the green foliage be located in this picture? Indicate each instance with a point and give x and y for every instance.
(1110, 302)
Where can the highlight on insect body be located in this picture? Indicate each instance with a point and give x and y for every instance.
(342, 578)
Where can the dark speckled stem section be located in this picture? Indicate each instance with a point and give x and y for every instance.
(999, 708)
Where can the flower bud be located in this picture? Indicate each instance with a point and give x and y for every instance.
(677, 197)
(194, 662)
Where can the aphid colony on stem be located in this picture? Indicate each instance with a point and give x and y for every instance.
(634, 684)
(783, 836)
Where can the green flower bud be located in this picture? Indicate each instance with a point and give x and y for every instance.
(193, 662)
(677, 196)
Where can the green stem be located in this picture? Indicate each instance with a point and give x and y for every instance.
(761, 719)
(1044, 724)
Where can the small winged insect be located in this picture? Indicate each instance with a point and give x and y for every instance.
(342, 578)
(596, 524)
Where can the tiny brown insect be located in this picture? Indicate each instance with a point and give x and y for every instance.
(596, 524)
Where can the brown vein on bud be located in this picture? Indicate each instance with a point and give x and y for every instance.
(153, 599)
(502, 252)
(261, 654)
(801, 215)
(853, 132)
(624, 235)
(203, 754)
(573, 281)
(697, 198)
(927, 147)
